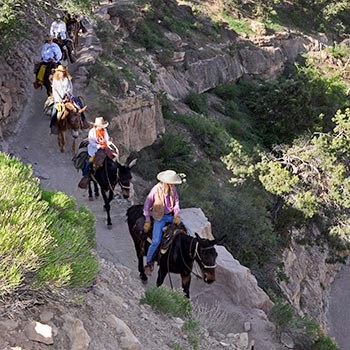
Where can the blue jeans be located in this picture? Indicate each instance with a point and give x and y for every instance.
(157, 234)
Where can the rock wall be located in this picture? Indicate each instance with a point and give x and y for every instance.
(16, 73)
(309, 278)
(213, 65)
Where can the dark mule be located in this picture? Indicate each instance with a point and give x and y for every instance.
(47, 78)
(181, 254)
(107, 177)
(70, 120)
(73, 28)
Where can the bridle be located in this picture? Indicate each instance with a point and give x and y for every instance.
(119, 182)
(122, 186)
(197, 255)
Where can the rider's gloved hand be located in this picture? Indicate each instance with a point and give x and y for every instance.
(147, 226)
(177, 220)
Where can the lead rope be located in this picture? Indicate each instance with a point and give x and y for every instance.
(168, 266)
(109, 182)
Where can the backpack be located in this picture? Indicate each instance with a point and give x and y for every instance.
(80, 158)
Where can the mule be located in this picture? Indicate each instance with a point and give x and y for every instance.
(47, 78)
(70, 120)
(181, 254)
(106, 178)
(73, 28)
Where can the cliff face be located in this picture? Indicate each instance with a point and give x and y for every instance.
(308, 278)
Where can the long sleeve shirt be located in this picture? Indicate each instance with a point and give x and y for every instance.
(60, 88)
(168, 208)
(51, 52)
(58, 28)
(94, 143)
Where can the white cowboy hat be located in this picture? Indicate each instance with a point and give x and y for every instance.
(169, 177)
(58, 16)
(100, 122)
(61, 68)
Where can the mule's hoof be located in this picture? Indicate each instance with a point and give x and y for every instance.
(91, 199)
(144, 278)
(109, 226)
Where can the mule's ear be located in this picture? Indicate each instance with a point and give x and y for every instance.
(132, 163)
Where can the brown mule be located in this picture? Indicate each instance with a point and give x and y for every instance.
(69, 118)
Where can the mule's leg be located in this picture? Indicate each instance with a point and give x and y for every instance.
(61, 140)
(143, 276)
(90, 190)
(74, 145)
(186, 281)
(96, 191)
(162, 272)
(107, 207)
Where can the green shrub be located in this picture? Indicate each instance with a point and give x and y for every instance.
(43, 238)
(309, 99)
(148, 35)
(168, 301)
(339, 50)
(324, 343)
(210, 135)
(191, 327)
(198, 103)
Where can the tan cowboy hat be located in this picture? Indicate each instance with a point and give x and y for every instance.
(100, 122)
(61, 68)
(49, 37)
(169, 177)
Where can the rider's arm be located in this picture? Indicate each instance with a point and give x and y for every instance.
(176, 203)
(43, 53)
(92, 139)
(53, 29)
(149, 204)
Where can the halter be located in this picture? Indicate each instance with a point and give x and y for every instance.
(196, 254)
(122, 186)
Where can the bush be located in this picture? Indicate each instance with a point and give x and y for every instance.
(168, 301)
(309, 99)
(211, 136)
(43, 238)
(198, 103)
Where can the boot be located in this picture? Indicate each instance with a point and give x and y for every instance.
(84, 182)
(149, 268)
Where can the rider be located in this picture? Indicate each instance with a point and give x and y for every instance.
(59, 31)
(162, 203)
(62, 90)
(51, 55)
(58, 28)
(98, 139)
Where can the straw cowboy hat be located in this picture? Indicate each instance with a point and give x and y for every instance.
(61, 68)
(169, 177)
(100, 122)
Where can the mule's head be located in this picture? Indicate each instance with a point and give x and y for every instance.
(205, 255)
(73, 119)
(124, 178)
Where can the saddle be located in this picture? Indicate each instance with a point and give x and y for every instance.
(101, 155)
(39, 71)
(167, 239)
